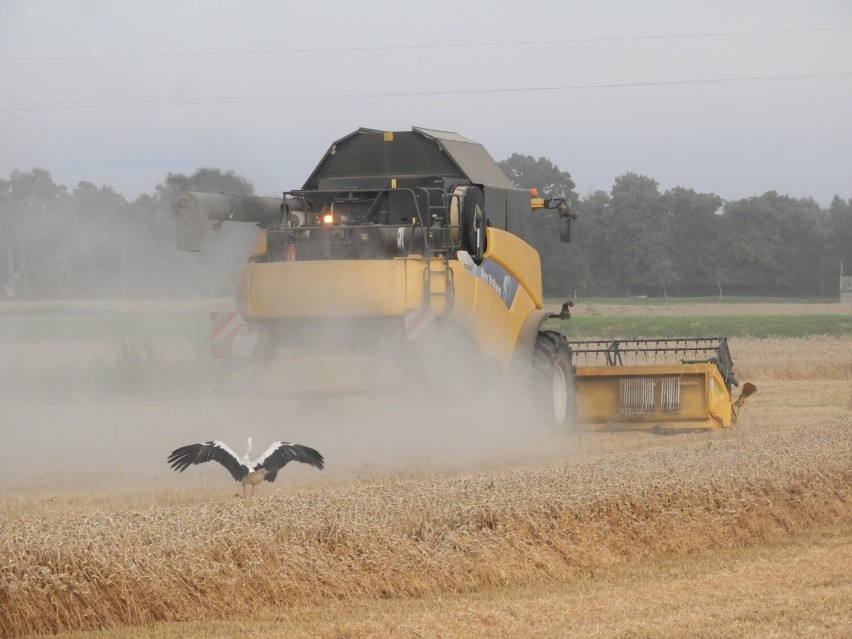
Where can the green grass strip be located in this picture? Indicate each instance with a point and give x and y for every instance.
(705, 326)
(710, 301)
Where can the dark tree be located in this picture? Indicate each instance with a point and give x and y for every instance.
(526, 172)
(95, 255)
(839, 229)
(561, 268)
(643, 228)
(205, 180)
(31, 226)
(693, 249)
(594, 237)
(775, 244)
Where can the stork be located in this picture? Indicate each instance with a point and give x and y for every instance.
(248, 473)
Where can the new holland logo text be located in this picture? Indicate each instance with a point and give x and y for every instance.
(497, 278)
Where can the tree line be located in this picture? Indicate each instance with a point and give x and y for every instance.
(637, 240)
(89, 241)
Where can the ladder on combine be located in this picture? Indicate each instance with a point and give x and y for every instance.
(438, 283)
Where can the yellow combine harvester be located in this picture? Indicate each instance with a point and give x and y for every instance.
(406, 247)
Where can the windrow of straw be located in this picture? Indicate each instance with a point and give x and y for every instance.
(404, 538)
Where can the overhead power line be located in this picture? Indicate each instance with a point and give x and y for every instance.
(402, 47)
(96, 104)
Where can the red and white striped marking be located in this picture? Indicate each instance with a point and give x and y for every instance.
(224, 328)
(418, 322)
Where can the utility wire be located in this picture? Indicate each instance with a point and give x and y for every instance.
(402, 47)
(94, 104)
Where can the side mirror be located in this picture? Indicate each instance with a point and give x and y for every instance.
(565, 217)
(565, 226)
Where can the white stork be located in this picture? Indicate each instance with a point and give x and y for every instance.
(250, 473)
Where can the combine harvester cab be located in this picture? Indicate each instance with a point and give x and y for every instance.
(405, 246)
(658, 385)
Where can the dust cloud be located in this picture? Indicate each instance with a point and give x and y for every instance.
(109, 409)
(103, 388)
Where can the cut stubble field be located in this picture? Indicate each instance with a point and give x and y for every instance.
(740, 533)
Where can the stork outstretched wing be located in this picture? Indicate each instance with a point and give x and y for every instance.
(185, 456)
(279, 454)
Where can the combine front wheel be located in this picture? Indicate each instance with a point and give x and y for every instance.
(554, 378)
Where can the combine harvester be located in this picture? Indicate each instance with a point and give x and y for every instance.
(409, 247)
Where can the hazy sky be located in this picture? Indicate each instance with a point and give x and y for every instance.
(731, 97)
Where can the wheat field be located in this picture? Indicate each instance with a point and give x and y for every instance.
(539, 548)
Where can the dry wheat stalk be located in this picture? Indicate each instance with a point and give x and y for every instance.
(409, 537)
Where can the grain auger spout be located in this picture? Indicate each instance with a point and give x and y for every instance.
(194, 211)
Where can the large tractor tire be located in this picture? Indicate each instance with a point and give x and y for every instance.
(554, 379)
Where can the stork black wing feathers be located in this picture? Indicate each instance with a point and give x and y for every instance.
(276, 457)
(185, 456)
(282, 453)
